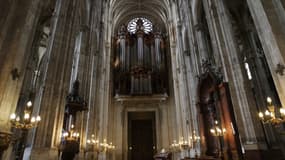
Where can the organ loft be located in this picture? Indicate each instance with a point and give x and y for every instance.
(140, 60)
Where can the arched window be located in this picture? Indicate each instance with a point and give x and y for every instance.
(132, 26)
(247, 70)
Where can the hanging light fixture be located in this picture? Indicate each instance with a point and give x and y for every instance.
(24, 123)
(271, 115)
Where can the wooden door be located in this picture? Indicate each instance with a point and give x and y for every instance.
(142, 140)
(141, 136)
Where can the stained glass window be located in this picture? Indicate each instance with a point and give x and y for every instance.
(132, 26)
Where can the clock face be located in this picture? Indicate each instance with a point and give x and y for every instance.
(132, 26)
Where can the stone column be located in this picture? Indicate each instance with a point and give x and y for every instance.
(76, 58)
(201, 42)
(232, 69)
(57, 79)
(14, 56)
(176, 112)
(272, 37)
(7, 8)
(184, 98)
(103, 98)
(94, 45)
(17, 31)
(216, 36)
(191, 78)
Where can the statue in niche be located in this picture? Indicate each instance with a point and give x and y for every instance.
(208, 67)
(123, 29)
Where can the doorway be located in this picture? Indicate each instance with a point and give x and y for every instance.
(141, 135)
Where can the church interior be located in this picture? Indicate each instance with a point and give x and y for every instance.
(142, 80)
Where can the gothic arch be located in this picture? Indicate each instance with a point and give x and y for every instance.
(123, 11)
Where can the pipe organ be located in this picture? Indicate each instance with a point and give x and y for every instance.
(140, 62)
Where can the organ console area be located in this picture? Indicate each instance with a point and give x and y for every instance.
(140, 62)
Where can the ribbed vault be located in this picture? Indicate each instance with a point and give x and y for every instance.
(123, 11)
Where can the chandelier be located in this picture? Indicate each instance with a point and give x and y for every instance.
(270, 115)
(24, 123)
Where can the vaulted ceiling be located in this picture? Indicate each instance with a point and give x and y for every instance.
(123, 11)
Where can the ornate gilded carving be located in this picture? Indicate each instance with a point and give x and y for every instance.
(5, 139)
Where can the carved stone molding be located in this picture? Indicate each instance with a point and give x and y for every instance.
(209, 68)
(199, 27)
(15, 74)
(280, 69)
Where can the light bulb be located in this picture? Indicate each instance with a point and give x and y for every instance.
(219, 130)
(282, 111)
(260, 115)
(65, 134)
(26, 116)
(13, 116)
(269, 100)
(29, 104)
(38, 118)
(33, 120)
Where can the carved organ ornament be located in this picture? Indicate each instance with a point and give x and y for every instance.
(140, 61)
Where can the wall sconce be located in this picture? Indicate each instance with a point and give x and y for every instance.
(219, 132)
(270, 116)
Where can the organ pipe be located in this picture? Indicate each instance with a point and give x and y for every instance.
(140, 62)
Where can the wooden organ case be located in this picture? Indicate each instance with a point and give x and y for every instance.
(140, 62)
